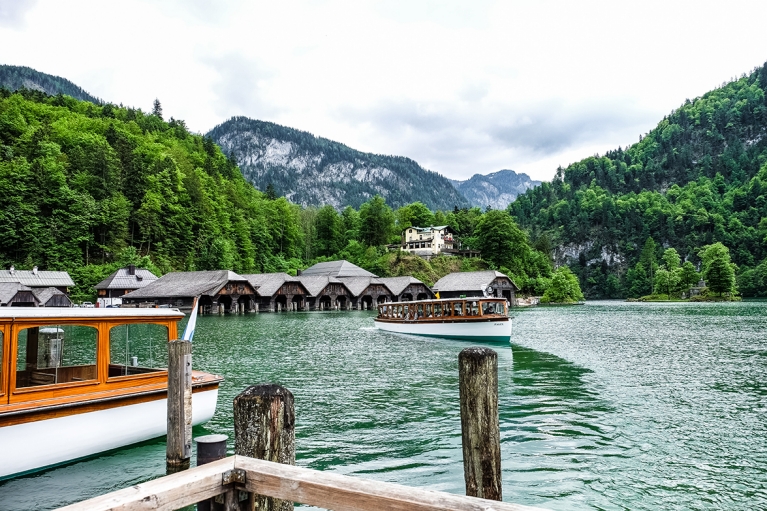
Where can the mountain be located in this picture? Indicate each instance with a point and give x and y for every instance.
(699, 177)
(19, 77)
(496, 190)
(314, 171)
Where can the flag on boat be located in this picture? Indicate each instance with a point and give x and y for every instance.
(437, 295)
(189, 330)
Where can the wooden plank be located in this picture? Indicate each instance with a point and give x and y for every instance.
(164, 494)
(345, 493)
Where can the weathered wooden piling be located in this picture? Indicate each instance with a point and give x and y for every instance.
(478, 384)
(179, 442)
(264, 428)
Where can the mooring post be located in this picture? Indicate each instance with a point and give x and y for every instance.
(478, 384)
(179, 442)
(209, 448)
(264, 428)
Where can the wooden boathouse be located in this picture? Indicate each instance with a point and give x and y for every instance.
(217, 289)
(121, 282)
(34, 288)
(277, 292)
(477, 283)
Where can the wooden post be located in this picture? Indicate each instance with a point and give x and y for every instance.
(179, 442)
(264, 428)
(478, 382)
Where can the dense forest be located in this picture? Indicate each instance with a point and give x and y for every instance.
(698, 178)
(314, 171)
(21, 77)
(88, 188)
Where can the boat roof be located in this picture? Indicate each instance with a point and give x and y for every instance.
(466, 299)
(85, 313)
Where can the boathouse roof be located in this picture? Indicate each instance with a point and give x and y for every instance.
(35, 278)
(398, 284)
(469, 281)
(52, 297)
(9, 290)
(314, 284)
(357, 285)
(127, 278)
(267, 284)
(186, 284)
(339, 269)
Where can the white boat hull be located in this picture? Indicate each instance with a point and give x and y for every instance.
(35, 445)
(489, 331)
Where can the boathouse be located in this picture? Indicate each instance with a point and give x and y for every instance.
(339, 269)
(111, 290)
(326, 293)
(218, 288)
(406, 289)
(476, 283)
(277, 292)
(36, 279)
(367, 292)
(13, 294)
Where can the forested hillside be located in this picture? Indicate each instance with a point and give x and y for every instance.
(88, 188)
(20, 77)
(495, 190)
(698, 178)
(313, 171)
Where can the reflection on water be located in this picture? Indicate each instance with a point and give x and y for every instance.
(605, 406)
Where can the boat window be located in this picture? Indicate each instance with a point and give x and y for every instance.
(472, 309)
(56, 354)
(2, 389)
(137, 349)
(419, 313)
(458, 309)
(437, 310)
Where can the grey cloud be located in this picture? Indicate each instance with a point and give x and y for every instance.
(456, 138)
(238, 90)
(12, 12)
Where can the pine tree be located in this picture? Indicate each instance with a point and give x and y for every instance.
(157, 108)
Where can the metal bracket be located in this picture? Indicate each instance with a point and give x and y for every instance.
(236, 475)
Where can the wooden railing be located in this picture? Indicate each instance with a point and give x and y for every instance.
(234, 481)
(264, 426)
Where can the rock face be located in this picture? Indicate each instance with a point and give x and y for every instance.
(496, 190)
(314, 171)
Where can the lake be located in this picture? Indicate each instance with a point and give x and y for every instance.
(609, 405)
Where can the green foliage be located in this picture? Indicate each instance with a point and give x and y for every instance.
(564, 287)
(698, 178)
(376, 222)
(718, 270)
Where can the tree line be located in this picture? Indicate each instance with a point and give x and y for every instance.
(88, 188)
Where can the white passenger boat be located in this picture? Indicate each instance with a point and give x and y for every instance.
(475, 319)
(75, 382)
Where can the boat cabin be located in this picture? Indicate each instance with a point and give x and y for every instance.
(57, 356)
(446, 309)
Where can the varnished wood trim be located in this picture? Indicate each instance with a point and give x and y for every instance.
(92, 405)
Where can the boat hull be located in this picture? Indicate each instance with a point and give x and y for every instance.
(485, 331)
(36, 445)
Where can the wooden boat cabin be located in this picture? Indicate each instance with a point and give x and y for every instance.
(446, 309)
(69, 375)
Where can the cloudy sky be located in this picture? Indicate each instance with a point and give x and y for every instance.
(461, 87)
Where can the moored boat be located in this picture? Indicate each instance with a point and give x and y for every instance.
(75, 382)
(476, 319)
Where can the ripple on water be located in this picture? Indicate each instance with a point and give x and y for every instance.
(606, 406)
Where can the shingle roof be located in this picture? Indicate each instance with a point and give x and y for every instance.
(9, 289)
(122, 279)
(38, 279)
(468, 281)
(46, 293)
(357, 285)
(185, 284)
(398, 284)
(340, 269)
(266, 284)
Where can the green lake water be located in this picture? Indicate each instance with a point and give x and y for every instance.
(609, 405)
